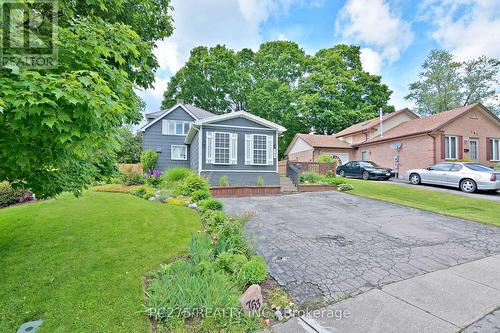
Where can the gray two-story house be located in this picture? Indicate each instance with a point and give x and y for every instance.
(238, 145)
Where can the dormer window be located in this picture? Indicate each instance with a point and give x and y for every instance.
(175, 127)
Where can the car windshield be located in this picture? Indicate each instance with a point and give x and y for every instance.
(368, 165)
(478, 167)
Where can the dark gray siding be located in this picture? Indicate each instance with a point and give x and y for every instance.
(243, 178)
(240, 122)
(153, 139)
(194, 153)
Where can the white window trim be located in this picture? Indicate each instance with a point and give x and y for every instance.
(254, 149)
(178, 158)
(167, 121)
(231, 151)
(492, 152)
(250, 150)
(449, 147)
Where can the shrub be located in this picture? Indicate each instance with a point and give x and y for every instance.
(260, 181)
(325, 159)
(254, 271)
(335, 181)
(345, 187)
(163, 195)
(10, 195)
(209, 204)
(199, 195)
(224, 181)
(200, 249)
(230, 238)
(131, 177)
(176, 201)
(148, 159)
(231, 262)
(496, 166)
(153, 177)
(310, 177)
(145, 192)
(213, 219)
(177, 174)
(192, 183)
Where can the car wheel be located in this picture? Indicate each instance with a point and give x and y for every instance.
(468, 186)
(415, 179)
(366, 175)
(341, 173)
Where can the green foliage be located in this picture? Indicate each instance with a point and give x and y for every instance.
(334, 180)
(144, 192)
(130, 177)
(231, 262)
(496, 166)
(148, 159)
(260, 181)
(445, 83)
(176, 201)
(230, 238)
(311, 178)
(199, 195)
(177, 174)
(192, 183)
(209, 204)
(153, 181)
(224, 181)
(200, 249)
(325, 159)
(345, 187)
(254, 271)
(213, 220)
(130, 146)
(279, 82)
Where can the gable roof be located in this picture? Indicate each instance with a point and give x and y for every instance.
(231, 115)
(371, 123)
(195, 112)
(428, 124)
(318, 141)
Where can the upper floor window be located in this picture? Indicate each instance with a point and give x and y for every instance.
(450, 147)
(175, 127)
(178, 152)
(494, 149)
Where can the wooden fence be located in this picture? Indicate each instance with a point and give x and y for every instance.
(317, 167)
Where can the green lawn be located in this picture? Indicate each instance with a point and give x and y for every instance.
(79, 263)
(480, 210)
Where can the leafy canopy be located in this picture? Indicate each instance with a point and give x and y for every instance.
(59, 128)
(323, 93)
(445, 84)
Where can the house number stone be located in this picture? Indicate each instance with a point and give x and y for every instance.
(251, 300)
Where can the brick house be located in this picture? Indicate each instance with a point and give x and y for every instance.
(402, 140)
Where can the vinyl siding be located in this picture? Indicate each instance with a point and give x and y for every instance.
(153, 139)
(194, 149)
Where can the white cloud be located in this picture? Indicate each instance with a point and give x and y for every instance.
(371, 60)
(374, 24)
(467, 28)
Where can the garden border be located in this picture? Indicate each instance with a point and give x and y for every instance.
(244, 191)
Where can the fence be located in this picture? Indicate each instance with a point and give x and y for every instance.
(320, 168)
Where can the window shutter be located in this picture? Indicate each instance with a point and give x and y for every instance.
(210, 146)
(460, 147)
(233, 148)
(269, 150)
(489, 156)
(248, 149)
(443, 149)
(164, 126)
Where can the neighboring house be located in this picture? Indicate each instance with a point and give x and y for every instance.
(307, 147)
(404, 141)
(238, 145)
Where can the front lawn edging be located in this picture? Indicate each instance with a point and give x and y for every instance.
(244, 191)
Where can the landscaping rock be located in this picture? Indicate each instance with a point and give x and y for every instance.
(152, 199)
(193, 205)
(278, 315)
(251, 300)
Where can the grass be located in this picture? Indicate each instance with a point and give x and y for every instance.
(480, 210)
(79, 263)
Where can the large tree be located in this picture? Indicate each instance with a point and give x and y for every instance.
(59, 127)
(444, 83)
(279, 82)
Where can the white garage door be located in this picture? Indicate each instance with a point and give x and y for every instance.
(342, 157)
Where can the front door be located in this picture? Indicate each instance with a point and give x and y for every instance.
(473, 149)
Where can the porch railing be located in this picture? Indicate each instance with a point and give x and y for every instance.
(293, 172)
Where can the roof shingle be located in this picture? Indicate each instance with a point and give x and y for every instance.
(323, 141)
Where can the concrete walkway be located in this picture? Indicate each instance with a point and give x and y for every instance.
(448, 300)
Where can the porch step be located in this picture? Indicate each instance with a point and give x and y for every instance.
(287, 186)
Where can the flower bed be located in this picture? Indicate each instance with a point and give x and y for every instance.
(244, 191)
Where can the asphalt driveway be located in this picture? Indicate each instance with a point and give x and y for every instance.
(322, 247)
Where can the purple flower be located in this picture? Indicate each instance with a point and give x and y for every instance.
(153, 173)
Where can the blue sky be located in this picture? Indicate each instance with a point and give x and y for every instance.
(394, 36)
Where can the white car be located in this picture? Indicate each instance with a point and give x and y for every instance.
(469, 177)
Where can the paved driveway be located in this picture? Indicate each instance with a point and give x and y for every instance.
(322, 247)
